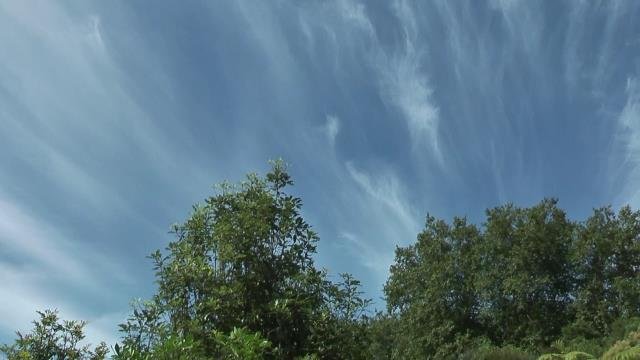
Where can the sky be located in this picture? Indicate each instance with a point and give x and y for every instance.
(117, 116)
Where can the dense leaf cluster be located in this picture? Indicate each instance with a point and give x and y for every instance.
(239, 282)
(527, 278)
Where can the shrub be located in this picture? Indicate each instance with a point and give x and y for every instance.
(490, 352)
(626, 349)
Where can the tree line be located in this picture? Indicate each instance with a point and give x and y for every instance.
(239, 282)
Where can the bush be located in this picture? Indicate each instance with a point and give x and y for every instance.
(490, 352)
(627, 349)
(574, 355)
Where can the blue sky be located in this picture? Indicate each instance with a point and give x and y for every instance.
(116, 117)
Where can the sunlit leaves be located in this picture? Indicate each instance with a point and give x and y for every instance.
(53, 338)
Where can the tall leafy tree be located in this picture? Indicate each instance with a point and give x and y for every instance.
(244, 259)
(340, 332)
(606, 258)
(508, 284)
(431, 289)
(525, 279)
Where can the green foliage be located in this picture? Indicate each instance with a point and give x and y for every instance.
(574, 355)
(595, 346)
(529, 277)
(143, 331)
(244, 259)
(242, 345)
(340, 330)
(524, 281)
(431, 290)
(632, 353)
(384, 337)
(490, 352)
(178, 348)
(238, 344)
(52, 338)
(606, 259)
(626, 349)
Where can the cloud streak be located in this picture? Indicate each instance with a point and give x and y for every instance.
(390, 219)
(629, 138)
(72, 136)
(408, 87)
(36, 260)
(331, 129)
(386, 190)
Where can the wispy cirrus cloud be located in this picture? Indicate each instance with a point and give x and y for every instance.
(37, 261)
(405, 82)
(331, 129)
(407, 87)
(386, 189)
(398, 72)
(390, 218)
(628, 137)
(368, 253)
(72, 137)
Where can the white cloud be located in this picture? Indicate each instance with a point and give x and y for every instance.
(582, 74)
(354, 12)
(389, 219)
(376, 214)
(629, 137)
(33, 241)
(630, 119)
(369, 253)
(407, 87)
(331, 128)
(71, 132)
(262, 23)
(399, 72)
(43, 246)
(504, 5)
(386, 190)
(44, 260)
(94, 35)
(405, 84)
(19, 301)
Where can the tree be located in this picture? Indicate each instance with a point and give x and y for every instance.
(509, 284)
(606, 258)
(52, 338)
(340, 332)
(244, 259)
(525, 278)
(431, 289)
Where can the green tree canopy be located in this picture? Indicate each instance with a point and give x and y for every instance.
(244, 259)
(529, 277)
